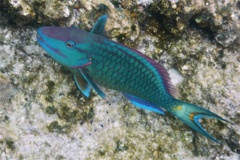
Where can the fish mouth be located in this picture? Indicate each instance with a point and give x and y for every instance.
(50, 49)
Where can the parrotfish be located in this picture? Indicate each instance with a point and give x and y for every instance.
(95, 60)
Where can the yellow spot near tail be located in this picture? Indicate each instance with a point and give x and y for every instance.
(191, 116)
(177, 108)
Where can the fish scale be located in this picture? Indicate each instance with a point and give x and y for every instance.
(94, 59)
(131, 74)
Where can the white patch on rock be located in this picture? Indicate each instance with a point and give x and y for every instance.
(175, 76)
(144, 2)
(15, 3)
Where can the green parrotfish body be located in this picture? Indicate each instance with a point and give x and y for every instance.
(95, 60)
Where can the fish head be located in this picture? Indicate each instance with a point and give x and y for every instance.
(66, 45)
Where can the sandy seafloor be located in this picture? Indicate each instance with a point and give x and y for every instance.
(44, 116)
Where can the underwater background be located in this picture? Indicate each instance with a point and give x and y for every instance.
(44, 116)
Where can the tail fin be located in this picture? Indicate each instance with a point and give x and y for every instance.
(190, 115)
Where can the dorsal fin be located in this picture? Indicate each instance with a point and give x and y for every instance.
(171, 89)
(99, 26)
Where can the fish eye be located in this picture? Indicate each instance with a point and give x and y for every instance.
(70, 44)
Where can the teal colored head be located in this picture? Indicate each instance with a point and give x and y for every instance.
(66, 45)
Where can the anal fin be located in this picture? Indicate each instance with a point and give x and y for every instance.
(141, 103)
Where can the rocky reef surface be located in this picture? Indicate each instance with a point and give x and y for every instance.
(44, 116)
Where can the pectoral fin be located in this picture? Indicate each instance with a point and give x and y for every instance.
(93, 84)
(82, 85)
(141, 103)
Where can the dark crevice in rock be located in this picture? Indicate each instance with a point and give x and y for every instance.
(202, 22)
